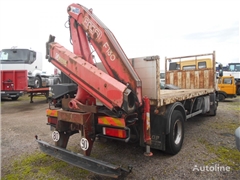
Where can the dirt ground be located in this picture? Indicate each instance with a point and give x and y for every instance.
(208, 141)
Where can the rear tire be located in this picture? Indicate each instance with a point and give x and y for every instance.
(174, 139)
(214, 113)
(37, 82)
(238, 91)
(221, 97)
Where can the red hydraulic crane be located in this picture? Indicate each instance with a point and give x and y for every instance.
(121, 87)
(109, 102)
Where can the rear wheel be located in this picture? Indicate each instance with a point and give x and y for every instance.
(37, 82)
(238, 91)
(174, 139)
(214, 113)
(221, 97)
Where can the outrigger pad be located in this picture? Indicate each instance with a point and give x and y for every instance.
(85, 162)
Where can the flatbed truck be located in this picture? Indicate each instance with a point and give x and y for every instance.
(124, 102)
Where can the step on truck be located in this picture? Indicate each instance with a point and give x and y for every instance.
(121, 101)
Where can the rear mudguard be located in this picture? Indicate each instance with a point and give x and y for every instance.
(84, 162)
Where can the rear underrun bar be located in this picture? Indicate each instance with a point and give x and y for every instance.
(85, 162)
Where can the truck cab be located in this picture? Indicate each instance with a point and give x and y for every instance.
(226, 87)
(16, 59)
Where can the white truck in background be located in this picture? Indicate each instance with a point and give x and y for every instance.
(30, 60)
(232, 69)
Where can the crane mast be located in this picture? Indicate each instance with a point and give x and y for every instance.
(106, 46)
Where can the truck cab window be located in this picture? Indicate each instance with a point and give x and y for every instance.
(227, 81)
(32, 57)
(3, 56)
(231, 67)
(202, 65)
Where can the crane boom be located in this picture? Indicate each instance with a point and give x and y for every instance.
(112, 93)
(107, 47)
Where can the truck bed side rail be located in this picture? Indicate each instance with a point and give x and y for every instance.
(192, 72)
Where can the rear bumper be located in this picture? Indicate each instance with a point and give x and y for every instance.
(10, 94)
(84, 162)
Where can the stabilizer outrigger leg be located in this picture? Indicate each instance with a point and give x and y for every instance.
(84, 162)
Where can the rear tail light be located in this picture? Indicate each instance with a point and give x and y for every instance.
(119, 133)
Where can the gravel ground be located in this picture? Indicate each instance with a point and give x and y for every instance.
(205, 137)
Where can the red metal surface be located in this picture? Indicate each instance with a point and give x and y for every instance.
(80, 48)
(75, 105)
(119, 133)
(146, 121)
(99, 84)
(37, 90)
(14, 80)
(52, 120)
(85, 120)
(105, 44)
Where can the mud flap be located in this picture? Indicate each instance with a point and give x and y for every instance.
(85, 162)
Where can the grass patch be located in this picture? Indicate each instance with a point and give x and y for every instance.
(42, 166)
(36, 96)
(236, 108)
(234, 105)
(225, 156)
(225, 125)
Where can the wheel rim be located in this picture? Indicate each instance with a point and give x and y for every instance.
(37, 83)
(177, 131)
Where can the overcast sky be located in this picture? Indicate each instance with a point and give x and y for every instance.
(165, 28)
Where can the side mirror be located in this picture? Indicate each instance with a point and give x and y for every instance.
(220, 72)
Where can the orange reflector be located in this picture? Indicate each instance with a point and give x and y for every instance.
(51, 112)
(114, 132)
(111, 121)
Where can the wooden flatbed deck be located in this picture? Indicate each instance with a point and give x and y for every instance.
(168, 96)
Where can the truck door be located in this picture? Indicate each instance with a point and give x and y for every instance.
(228, 85)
